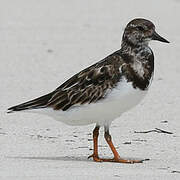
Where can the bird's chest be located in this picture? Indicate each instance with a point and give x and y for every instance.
(138, 67)
(139, 73)
(125, 96)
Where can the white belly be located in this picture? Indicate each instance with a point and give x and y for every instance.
(117, 101)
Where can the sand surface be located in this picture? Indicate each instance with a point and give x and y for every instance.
(44, 42)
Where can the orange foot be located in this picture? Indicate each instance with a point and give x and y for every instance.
(97, 159)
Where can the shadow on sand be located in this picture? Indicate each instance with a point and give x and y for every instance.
(63, 158)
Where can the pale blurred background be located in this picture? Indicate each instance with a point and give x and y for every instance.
(44, 42)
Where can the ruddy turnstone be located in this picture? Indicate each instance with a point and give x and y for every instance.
(102, 92)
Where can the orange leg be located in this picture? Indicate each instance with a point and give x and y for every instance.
(95, 143)
(113, 149)
(115, 153)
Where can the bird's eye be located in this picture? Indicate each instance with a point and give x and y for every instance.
(140, 28)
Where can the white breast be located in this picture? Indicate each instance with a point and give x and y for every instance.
(117, 101)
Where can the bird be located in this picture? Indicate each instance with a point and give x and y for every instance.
(105, 90)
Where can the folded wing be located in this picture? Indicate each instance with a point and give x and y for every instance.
(88, 86)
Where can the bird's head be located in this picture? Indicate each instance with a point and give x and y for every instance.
(141, 31)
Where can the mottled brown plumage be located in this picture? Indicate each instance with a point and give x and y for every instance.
(88, 86)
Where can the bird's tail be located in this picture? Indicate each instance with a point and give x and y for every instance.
(33, 104)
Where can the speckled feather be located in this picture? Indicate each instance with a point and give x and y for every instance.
(91, 84)
(134, 62)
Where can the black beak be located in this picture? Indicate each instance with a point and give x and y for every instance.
(157, 37)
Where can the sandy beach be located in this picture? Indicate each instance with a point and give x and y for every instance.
(42, 44)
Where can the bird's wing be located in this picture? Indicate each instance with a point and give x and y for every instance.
(88, 86)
